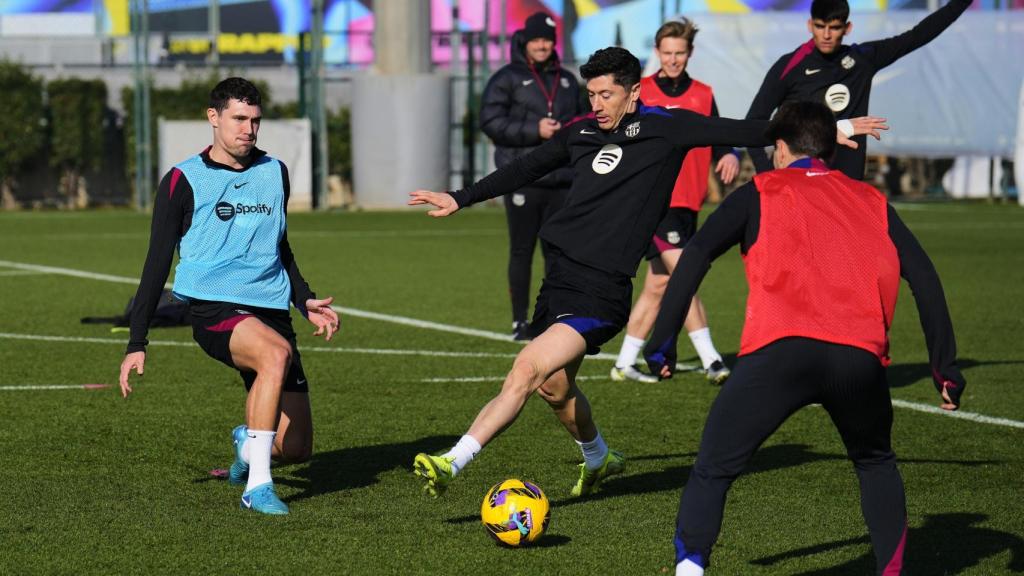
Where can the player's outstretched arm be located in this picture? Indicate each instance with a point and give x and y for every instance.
(919, 272)
(443, 202)
(320, 314)
(869, 125)
(136, 360)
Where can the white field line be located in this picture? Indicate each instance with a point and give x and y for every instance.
(342, 309)
(20, 273)
(926, 408)
(68, 272)
(336, 350)
(53, 387)
(468, 379)
(973, 417)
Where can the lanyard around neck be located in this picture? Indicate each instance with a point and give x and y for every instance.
(549, 96)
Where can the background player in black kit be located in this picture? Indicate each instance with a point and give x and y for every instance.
(825, 70)
(626, 157)
(824, 254)
(524, 104)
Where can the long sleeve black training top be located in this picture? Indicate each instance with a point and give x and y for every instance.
(622, 179)
(807, 75)
(737, 221)
(678, 87)
(172, 218)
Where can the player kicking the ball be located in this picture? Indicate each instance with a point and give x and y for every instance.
(625, 158)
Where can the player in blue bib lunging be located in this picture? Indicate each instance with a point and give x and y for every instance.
(224, 209)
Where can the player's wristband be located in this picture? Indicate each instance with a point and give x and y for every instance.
(846, 127)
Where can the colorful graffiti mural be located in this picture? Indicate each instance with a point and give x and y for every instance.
(268, 30)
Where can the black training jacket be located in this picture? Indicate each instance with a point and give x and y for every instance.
(807, 75)
(513, 104)
(622, 179)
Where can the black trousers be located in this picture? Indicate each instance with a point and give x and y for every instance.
(526, 210)
(765, 388)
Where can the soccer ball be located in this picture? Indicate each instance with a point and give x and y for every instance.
(515, 512)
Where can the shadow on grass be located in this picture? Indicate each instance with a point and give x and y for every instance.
(902, 375)
(357, 467)
(767, 459)
(674, 477)
(945, 544)
(551, 541)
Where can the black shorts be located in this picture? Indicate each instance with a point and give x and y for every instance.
(213, 322)
(593, 302)
(674, 231)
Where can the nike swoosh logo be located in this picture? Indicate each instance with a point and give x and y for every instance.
(808, 71)
(527, 82)
(585, 131)
(671, 107)
(247, 501)
(300, 381)
(562, 316)
(237, 186)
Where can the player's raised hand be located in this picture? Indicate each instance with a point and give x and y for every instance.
(136, 360)
(443, 201)
(320, 314)
(728, 167)
(870, 125)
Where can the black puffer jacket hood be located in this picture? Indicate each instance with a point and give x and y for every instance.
(513, 105)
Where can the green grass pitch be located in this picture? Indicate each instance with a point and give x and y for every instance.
(94, 484)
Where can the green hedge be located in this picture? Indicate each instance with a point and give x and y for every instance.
(22, 124)
(77, 108)
(190, 100)
(68, 127)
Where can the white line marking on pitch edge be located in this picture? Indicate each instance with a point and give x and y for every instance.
(337, 350)
(21, 273)
(926, 408)
(490, 379)
(973, 417)
(54, 387)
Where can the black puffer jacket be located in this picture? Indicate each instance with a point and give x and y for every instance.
(513, 105)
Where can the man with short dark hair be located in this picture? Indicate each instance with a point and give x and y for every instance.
(524, 104)
(625, 158)
(224, 210)
(825, 70)
(824, 254)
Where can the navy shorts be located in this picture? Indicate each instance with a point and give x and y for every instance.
(213, 322)
(674, 231)
(593, 302)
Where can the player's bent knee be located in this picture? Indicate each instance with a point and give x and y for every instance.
(276, 358)
(523, 379)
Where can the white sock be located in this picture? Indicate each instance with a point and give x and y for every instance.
(594, 452)
(631, 347)
(464, 451)
(258, 446)
(688, 568)
(705, 348)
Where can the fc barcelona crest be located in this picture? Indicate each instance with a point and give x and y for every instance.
(633, 129)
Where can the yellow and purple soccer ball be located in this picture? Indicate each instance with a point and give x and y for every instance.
(515, 512)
